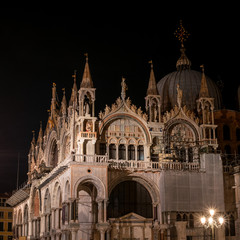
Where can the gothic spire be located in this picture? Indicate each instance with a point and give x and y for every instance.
(40, 135)
(74, 89)
(64, 103)
(86, 79)
(152, 86)
(204, 88)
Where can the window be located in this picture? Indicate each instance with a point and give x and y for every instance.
(9, 215)
(1, 237)
(178, 218)
(226, 132)
(230, 227)
(1, 214)
(185, 218)
(10, 237)
(1, 226)
(131, 152)
(9, 226)
(102, 148)
(122, 152)
(227, 149)
(112, 151)
(140, 152)
(191, 221)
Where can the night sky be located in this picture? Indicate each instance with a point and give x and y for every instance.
(39, 47)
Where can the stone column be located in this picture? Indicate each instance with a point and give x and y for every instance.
(181, 230)
(100, 211)
(102, 234)
(156, 229)
(42, 228)
(237, 198)
(30, 228)
(105, 201)
(220, 233)
(73, 234)
(53, 218)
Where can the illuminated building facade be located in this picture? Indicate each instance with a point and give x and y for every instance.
(5, 218)
(126, 173)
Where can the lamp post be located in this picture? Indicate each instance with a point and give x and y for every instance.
(212, 220)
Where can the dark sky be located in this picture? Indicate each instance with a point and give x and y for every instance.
(39, 47)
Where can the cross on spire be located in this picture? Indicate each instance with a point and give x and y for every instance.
(181, 33)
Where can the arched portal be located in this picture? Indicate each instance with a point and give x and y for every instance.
(130, 197)
(86, 208)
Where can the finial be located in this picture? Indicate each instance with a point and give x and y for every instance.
(151, 62)
(33, 139)
(74, 76)
(86, 55)
(124, 88)
(202, 67)
(181, 34)
(63, 89)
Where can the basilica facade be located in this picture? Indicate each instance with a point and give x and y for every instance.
(129, 173)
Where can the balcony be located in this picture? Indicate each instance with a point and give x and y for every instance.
(136, 165)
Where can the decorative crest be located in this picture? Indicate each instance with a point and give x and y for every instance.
(181, 34)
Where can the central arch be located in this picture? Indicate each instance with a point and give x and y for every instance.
(130, 196)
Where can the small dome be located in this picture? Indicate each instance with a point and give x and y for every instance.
(190, 82)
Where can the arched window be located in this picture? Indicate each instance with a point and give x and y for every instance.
(227, 149)
(140, 152)
(54, 155)
(238, 134)
(127, 197)
(131, 152)
(112, 151)
(178, 217)
(191, 221)
(226, 132)
(102, 148)
(185, 218)
(190, 154)
(122, 152)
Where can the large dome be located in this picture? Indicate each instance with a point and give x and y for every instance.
(190, 82)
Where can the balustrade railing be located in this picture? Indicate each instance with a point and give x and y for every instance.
(140, 165)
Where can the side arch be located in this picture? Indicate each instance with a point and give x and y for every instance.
(101, 189)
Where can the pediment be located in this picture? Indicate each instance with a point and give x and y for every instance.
(132, 216)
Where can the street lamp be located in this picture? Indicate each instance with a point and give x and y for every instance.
(212, 220)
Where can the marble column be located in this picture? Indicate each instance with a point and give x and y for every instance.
(181, 230)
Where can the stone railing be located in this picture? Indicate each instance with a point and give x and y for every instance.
(137, 165)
